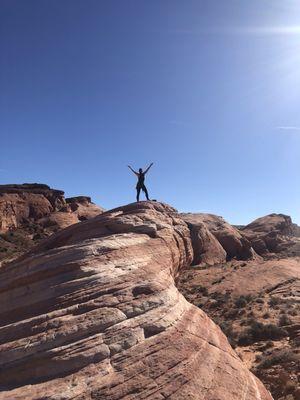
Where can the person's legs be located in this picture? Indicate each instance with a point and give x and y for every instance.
(146, 192)
(138, 190)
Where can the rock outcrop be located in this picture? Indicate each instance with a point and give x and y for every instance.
(31, 212)
(257, 302)
(273, 222)
(207, 249)
(235, 244)
(270, 234)
(93, 313)
(296, 230)
(21, 204)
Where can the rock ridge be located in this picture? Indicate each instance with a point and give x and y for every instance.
(93, 313)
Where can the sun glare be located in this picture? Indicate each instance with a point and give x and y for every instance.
(275, 30)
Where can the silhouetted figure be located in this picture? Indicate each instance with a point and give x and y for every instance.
(141, 181)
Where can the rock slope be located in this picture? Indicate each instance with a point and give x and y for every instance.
(93, 313)
(257, 302)
(257, 305)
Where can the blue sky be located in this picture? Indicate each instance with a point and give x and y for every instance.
(207, 90)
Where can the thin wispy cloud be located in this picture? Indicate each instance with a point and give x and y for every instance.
(267, 30)
(288, 128)
(242, 30)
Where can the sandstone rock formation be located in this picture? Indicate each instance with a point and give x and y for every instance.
(20, 204)
(257, 305)
(93, 313)
(296, 230)
(233, 242)
(270, 234)
(207, 249)
(273, 222)
(31, 212)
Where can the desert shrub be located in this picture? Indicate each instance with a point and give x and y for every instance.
(233, 313)
(258, 331)
(203, 290)
(16, 237)
(284, 320)
(267, 345)
(292, 312)
(259, 300)
(217, 281)
(220, 300)
(245, 339)
(274, 301)
(296, 342)
(266, 315)
(243, 300)
(280, 357)
(229, 332)
(250, 321)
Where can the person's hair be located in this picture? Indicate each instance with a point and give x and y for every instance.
(140, 169)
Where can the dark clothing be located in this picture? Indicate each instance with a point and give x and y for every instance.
(138, 190)
(141, 179)
(141, 186)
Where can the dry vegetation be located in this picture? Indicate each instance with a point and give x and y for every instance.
(263, 328)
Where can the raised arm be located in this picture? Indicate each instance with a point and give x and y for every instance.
(136, 173)
(148, 168)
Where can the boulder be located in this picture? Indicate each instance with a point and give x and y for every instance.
(271, 234)
(271, 223)
(207, 249)
(235, 244)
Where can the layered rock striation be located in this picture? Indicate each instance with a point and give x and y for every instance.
(93, 313)
(21, 204)
(31, 212)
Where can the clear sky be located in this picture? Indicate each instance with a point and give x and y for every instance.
(209, 90)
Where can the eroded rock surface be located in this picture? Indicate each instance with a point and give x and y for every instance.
(31, 212)
(94, 313)
(271, 234)
(235, 244)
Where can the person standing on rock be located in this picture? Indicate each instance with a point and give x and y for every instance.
(141, 182)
